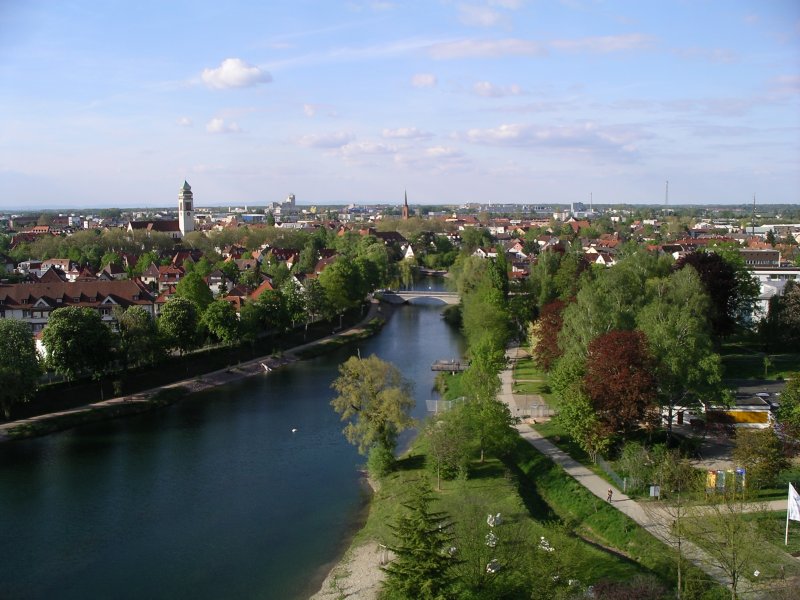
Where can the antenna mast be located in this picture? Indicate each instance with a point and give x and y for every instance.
(753, 218)
(666, 196)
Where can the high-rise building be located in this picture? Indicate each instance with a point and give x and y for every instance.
(185, 214)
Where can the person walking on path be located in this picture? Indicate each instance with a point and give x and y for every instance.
(610, 493)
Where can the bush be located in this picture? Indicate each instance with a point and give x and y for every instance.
(380, 461)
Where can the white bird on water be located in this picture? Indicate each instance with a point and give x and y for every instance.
(294, 429)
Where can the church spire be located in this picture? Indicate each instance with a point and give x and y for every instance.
(405, 205)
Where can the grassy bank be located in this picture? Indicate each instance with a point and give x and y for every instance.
(593, 541)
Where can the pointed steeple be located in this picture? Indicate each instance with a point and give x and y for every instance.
(405, 204)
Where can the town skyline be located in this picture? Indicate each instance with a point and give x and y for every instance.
(496, 101)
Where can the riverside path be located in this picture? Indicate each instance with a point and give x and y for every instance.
(654, 522)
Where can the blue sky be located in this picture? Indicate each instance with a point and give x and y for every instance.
(115, 103)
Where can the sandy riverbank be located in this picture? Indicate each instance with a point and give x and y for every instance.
(357, 576)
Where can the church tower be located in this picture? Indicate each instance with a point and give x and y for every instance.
(185, 214)
(405, 207)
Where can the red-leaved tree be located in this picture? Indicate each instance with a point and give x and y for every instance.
(619, 379)
(548, 326)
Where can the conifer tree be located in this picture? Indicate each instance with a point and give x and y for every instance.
(424, 554)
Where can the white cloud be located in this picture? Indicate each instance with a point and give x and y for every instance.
(486, 49)
(586, 137)
(185, 122)
(479, 16)
(490, 90)
(422, 80)
(713, 55)
(604, 44)
(406, 133)
(217, 125)
(356, 149)
(310, 110)
(442, 152)
(509, 4)
(787, 84)
(326, 140)
(436, 159)
(234, 73)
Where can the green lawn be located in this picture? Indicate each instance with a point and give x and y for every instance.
(772, 559)
(527, 369)
(744, 362)
(536, 498)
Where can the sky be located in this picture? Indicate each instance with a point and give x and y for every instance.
(115, 103)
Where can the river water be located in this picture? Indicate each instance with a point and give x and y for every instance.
(214, 497)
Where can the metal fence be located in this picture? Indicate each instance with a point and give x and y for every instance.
(437, 406)
(623, 484)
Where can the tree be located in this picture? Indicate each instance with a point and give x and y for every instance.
(422, 564)
(139, 341)
(375, 400)
(194, 288)
(19, 364)
(782, 324)
(679, 339)
(760, 452)
(679, 482)
(272, 310)
(341, 281)
(221, 321)
(491, 426)
(731, 288)
(294, 301)
(78, 342)
(619, 379)
(729, 535)
(178, 323)
(789, 409)
(544, 342)
(447, 445)
(316, 301)
(576, 414)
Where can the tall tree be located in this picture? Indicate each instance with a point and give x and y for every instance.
(375, 400)
(731, 288)
(789, 409)
(678, 335)
(294, 301)
(781, 327)
(619, 379)
(221, 321)
(545, 346)
(194, 288)
(19, 364)
(577, 415)
(728, 534)
(139, 341)
(341, 281)
(178, 323)
(77, 342)
(760, 452)
(422, 564)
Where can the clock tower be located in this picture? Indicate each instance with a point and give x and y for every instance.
(185, 209)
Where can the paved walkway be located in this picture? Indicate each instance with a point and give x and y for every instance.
(257, 366)
(653, 520)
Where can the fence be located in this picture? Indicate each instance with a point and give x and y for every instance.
(437, 406)
(623, 484)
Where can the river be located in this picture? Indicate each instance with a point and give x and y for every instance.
(214, 497)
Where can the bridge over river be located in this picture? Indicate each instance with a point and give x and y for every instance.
(417, 296)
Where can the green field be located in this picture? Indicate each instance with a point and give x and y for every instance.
(744, 362)
(536, 498)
